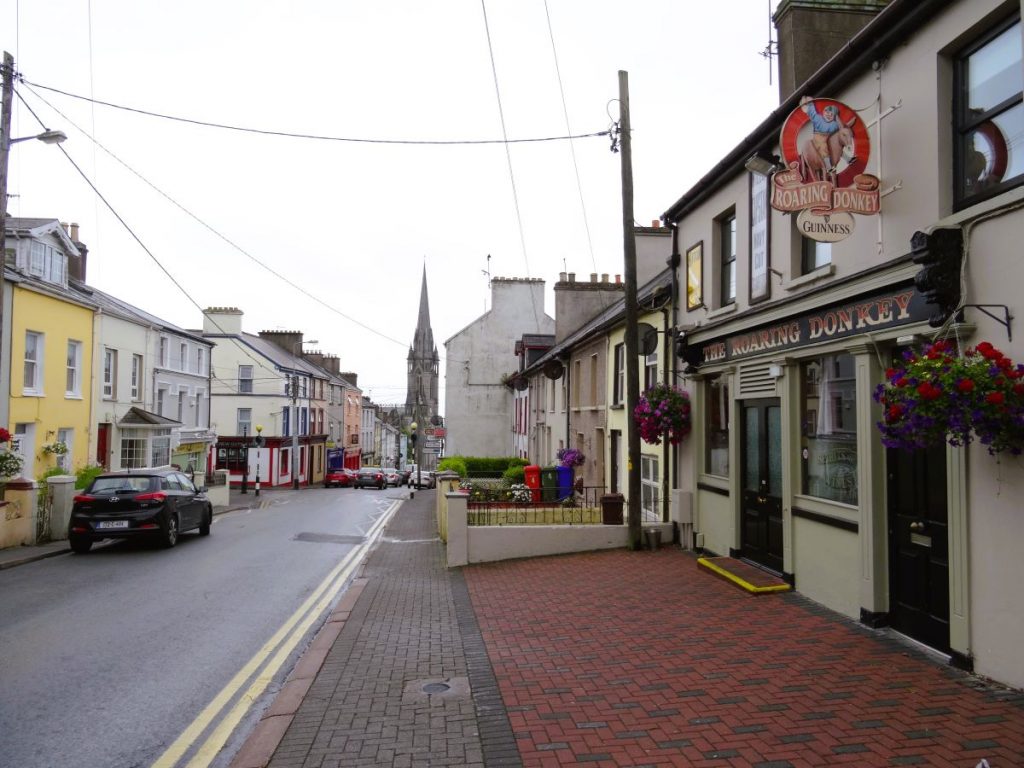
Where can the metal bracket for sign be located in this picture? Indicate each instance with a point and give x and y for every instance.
(889, 190)
(889, 111)
(1007, 317)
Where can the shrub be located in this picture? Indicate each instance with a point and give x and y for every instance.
(514, 475)
(86, 474)
(453, 464)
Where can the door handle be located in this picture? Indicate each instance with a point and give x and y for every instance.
(917, 526)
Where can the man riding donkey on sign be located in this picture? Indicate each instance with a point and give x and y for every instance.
(827, 141)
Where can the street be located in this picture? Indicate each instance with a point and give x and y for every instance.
(133, 655)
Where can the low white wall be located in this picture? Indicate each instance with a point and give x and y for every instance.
(486, 544)
(219, 492)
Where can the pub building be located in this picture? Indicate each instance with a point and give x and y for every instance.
(797, 291)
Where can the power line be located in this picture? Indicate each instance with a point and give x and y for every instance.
(310, 136)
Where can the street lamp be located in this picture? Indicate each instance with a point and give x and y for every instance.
(47, 137)
(295, 411)
(245, 464)
(259, 447)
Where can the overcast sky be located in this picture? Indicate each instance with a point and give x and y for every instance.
(330, 237)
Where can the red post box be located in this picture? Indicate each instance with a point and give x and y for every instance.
(531, 473)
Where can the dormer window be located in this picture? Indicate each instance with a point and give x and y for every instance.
(48, 263)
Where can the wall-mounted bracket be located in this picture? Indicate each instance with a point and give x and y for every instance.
(1005, 321)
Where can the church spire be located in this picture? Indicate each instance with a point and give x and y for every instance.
(423, 361)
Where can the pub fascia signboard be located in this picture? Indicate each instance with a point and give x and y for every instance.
(825, 148)
(874, 312)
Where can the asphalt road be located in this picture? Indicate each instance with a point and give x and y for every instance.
(107, 659)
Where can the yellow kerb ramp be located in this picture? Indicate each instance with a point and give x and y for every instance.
(744, 575)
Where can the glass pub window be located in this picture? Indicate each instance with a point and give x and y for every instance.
(989, 114)
(815, 255)
(728, 244)
(828, 434)
(717, 428)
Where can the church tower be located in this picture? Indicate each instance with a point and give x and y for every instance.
(423, 364)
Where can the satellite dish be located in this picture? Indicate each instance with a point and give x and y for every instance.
(553, 369)
(646, 338)
(521, 383)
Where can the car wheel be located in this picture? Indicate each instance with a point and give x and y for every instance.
(204, 527)
(80, 546)
(170, 532)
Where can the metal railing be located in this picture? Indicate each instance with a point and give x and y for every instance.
(502, 505)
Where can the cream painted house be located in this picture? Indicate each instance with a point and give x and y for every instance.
(790, 335)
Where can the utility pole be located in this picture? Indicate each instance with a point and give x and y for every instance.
(632, 343)
(5, 149)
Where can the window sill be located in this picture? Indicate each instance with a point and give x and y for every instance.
(811, 277)
(616, 407)
(32, 393)
(728, 309)
(72, 396)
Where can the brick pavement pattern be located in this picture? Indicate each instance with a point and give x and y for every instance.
(638, 658)
(398, 686)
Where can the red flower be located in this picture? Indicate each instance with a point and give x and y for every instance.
(994, 398)
(965, 385)
(893, 413)
(928, 391)
(1018, 388)
(5, 436)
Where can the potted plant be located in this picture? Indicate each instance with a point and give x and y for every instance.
(937, 396)
(663, 411)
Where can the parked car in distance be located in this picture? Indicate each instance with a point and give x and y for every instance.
(340, 477)
(426, 479)
(144, 503)
(370, 477)
(403, 474)
(391, 476)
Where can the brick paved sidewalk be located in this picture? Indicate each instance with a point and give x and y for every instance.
(638, 658)
(407, 681)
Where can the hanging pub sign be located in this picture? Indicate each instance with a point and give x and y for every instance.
(825, 148)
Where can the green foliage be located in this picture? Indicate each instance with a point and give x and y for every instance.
(52, 471)
(514, 475)
(483, 466)
(453, 464)
(86, 474)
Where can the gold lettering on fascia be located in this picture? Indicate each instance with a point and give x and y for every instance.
(849, 319)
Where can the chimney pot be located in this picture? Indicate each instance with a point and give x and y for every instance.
(74, 232)
(604, 277)
(561, 276)
(618, 279)
(572, 277)
(656, 223)
(593, 277)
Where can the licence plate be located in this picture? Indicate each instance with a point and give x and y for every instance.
(112, 524)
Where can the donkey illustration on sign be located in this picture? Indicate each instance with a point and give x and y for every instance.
(830, 143)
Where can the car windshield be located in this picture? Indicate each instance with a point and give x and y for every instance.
(121, 484)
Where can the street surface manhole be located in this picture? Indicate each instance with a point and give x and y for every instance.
(435, 691)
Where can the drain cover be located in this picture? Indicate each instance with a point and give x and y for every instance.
(436, 687)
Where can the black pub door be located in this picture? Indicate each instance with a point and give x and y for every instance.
(919, 545)
(761, 513)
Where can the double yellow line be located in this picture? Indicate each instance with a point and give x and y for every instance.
(283, 642)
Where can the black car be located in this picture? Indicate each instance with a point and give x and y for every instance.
(151, 504)
(371, 477)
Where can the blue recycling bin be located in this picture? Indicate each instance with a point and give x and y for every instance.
(564, 482)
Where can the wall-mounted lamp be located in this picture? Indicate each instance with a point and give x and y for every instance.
(763, 162)
(775, 370)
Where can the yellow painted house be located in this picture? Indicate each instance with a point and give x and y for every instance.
(51, 343)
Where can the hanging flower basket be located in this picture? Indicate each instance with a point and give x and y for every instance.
(936, 396)
(10, 464)
(663, 411)
(58, 448)
(5, 436)
(570, 457)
